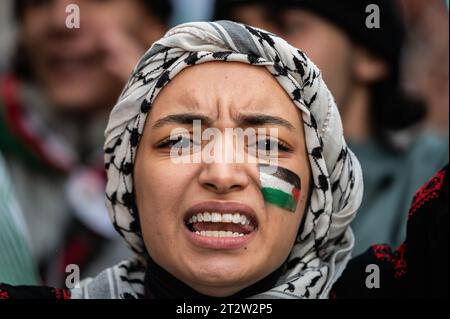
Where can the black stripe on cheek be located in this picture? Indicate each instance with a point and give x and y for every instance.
(282, 173)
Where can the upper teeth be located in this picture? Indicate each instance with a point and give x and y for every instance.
(214, 217)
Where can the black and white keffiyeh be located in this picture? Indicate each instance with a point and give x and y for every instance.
(325, 242)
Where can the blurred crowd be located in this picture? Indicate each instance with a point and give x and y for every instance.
(57, 87)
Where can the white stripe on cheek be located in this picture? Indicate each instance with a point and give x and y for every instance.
(268, 180)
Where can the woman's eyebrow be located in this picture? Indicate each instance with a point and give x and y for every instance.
(241, 119)
(263, 119)
(183, 118)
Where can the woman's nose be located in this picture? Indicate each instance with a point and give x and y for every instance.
(223, 178)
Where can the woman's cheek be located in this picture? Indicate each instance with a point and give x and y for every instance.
(170, 183)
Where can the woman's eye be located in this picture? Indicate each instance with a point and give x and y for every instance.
(271, 146)
(267, 145)
(180, 142)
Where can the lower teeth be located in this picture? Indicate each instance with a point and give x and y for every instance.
(218, 233)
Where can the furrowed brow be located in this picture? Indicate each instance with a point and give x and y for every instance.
(263, 119)
(183, 118)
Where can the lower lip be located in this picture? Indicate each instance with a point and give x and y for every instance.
(225, 243)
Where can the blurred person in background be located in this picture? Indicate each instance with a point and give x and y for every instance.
(6, 33)
(191, 10)
(361, 66)
(17, 265)
(426, 59)
(257, 13)
(54, 105)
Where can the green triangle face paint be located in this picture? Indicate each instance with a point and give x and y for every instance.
(280, 186)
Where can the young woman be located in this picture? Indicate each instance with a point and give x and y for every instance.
(290, 242)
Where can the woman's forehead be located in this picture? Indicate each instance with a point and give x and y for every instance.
(218, 89)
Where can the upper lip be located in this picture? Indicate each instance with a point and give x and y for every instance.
(223, 208)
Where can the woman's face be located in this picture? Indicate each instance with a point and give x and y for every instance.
(68, 61)
(222, 257)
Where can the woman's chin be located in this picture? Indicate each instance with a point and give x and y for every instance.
(220, 278)
(219, 286)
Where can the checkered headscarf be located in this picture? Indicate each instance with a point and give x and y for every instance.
(325, 240)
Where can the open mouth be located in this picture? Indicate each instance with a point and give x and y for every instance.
(221, 220)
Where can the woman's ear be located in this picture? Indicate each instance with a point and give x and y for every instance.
(368, 68)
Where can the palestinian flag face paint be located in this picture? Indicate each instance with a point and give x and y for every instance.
(280, 186)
